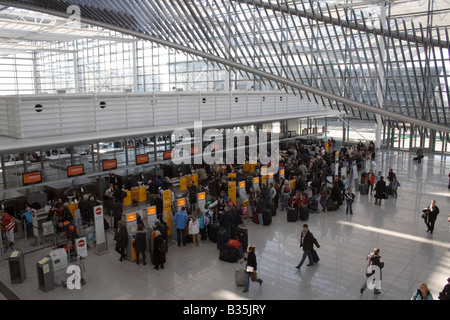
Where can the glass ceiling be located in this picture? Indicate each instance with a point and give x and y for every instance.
(392, 55)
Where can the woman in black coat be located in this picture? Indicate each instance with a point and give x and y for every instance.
(121, 238)
(251, 267)
(380, 188)
(160, 248)
(140, 243)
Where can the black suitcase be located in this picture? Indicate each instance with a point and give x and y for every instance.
(304, 214)
(212, 231)
(267, 217)
(222, 238)
(389, 191)
(242, 236)
(229, 255)
(331, 205)
(273, 209)
(292, 215)
(364, 189)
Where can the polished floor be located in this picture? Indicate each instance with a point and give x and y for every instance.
(411, 255)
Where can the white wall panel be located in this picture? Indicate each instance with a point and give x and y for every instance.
(254, 101)
(188, 108)
(207, 106)
(166, 110)
(4, 125)
(139, 111)
(64, 114)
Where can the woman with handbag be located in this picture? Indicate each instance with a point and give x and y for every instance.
(250, 268)
(160, 250)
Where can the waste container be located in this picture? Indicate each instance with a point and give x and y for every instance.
(17, 267)
(45, 274)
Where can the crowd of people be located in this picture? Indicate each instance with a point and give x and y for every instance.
(316, 176)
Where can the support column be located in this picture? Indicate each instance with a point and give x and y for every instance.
(380, 92)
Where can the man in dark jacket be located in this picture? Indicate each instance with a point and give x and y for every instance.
(431, 213)
(307, 241)
(380, 188)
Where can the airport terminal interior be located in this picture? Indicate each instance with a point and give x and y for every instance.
(127, 92)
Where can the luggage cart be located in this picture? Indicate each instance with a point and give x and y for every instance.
(63, 256)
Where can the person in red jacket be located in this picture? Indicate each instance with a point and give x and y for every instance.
(9, 225)
(370, 180)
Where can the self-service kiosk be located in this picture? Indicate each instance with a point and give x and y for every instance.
(151, 218)
(131, 223)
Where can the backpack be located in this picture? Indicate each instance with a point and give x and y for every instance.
(206, 220)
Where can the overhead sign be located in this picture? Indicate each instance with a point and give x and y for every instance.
(167, 155)
(31, 177)
(77, 170)
(142, 158)
(110, 164)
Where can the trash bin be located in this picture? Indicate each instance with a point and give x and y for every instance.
(17, 267)
(45, 273)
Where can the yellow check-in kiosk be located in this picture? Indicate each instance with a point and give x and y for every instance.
(131, 222)
(139, 194)
(127, 201)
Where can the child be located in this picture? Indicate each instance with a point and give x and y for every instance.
(349, 198)
(194, 230)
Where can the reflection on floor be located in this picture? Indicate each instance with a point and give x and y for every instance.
(411, 254)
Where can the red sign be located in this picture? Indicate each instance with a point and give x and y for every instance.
(77, 170)
(167, 155)
(81, 243)
(98, 211)
(31, 177)
(109, 164)
(142, 158)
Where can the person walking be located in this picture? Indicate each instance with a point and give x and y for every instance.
(419, 155)
(251, 268)
(121, 238)
(373, 259)
(181, 218)
(380, 188)
(307, 241)
(395, 184)
(423, 293)
(430, 214)
(140, 243)
(349, 199)
(445, 293)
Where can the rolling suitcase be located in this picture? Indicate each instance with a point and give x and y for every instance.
(239, 275)
(212, 231)
(267, 217)
(222, 238)
(364, 189)
(255, 217)
(331, 206)
(389, 191)
(273, 209)
(292, 215)
(304, 214)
